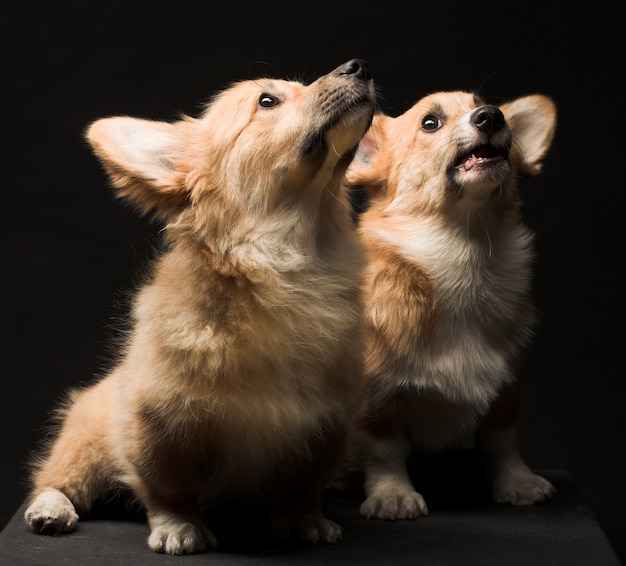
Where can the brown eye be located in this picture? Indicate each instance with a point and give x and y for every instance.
(431, 122)
(268, 100)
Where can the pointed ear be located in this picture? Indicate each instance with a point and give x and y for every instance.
(363, 169)
(532, 120)
(144, 161)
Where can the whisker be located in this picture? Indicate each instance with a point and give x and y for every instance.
(344, 202)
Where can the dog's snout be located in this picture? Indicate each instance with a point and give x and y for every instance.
(488, 119)
(356, 67)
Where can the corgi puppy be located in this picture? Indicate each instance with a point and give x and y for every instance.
(448, 311)
(240, 372)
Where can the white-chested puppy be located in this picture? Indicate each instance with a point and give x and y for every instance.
(448, 308)
(241, 370)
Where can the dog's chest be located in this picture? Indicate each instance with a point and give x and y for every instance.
(476, 322)
(473, 279)
(243, 374)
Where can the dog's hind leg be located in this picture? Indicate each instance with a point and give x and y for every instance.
(78, 468)
(512, 481)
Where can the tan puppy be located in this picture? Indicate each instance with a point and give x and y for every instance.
(448, 311)
(240, 373)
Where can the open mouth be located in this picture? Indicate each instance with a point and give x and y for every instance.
(482, 156)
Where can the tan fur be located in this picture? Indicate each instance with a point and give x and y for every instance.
(448, 311)
(242, 369)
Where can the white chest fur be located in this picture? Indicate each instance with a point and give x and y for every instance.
(479, 285)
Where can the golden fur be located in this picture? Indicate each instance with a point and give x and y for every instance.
(242, 369)
(448, 311)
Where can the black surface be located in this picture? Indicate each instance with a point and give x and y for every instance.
(462, 529)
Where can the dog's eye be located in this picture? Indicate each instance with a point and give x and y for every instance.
(268, 100)
(430, 122)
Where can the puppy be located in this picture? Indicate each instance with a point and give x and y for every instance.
(241, 369)
(448, 312)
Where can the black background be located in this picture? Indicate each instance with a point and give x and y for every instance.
(69, 251)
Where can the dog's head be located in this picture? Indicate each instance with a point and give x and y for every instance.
(259, 145)
(451, 150)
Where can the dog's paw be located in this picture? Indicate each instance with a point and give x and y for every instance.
(169, 536)
(394, 504)
(51, 513)
(522, 489)
(316, 529)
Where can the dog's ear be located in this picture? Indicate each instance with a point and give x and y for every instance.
(144, 161)
(532, 120)
(365, 169)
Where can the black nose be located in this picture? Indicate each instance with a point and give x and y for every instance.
(488, 119)
(356, 67)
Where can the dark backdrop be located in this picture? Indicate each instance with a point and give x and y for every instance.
(69, 251)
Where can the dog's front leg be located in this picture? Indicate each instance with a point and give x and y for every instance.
(512, 481)
(298, 512)
(390, 494)
(176, 525)
(171, 533)
(296, 506)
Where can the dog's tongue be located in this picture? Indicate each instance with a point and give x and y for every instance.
(475, 158)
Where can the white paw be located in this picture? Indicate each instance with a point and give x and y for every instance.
(316, 529)
(393, 504)
(522, 489)
(169, 536)
(51, 513)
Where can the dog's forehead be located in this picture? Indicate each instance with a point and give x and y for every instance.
(241, 99)
(452, 103)
(253, 88)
